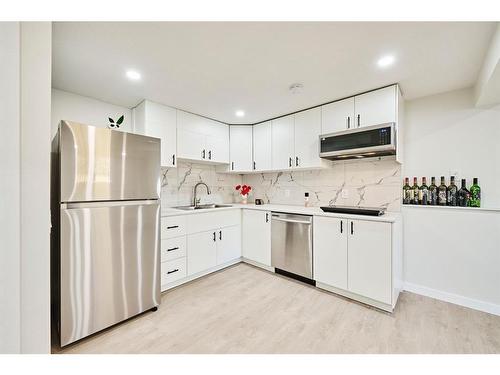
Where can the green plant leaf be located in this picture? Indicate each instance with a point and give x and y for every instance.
(120, 120)
(111, 120)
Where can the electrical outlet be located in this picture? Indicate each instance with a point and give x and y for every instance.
(287, 193)
(345, 193)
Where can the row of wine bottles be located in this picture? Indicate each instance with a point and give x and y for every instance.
(442, 195)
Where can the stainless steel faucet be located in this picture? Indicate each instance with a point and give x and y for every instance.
(195, 199)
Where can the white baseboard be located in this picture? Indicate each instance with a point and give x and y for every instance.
(453, 298)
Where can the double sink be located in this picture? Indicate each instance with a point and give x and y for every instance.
(202, 207)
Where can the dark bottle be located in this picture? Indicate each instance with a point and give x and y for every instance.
(475, 194)
(463, 195)
(442, 193)
(452, 192)
(415, 191)
(423, 193)
(433, 192)
(407, 192)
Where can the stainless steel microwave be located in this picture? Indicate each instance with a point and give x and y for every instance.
(367, 141)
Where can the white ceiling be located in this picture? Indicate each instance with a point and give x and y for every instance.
(213, 69)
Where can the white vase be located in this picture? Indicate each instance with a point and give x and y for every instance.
(244, 198)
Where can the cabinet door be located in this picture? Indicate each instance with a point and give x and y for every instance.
(369, 259)
(217, 141)
(282, 142)
(228, 244)
(376, 107)
(161, 122)
(240, 148)
(330, 251)
(256, 236)
(337, 116)
(307, 132)
(201, 251)
(191, 141)
(262, 155)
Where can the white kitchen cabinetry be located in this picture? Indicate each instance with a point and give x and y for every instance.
(201, 251)
(256, 236)
(369, 260)
(228, 244)
(307, 131)
(282, 147)
(330, 251)
(337, 116)
(240, 148)
(201, 139)
(159, 121)
(262, 146)
(376, 107)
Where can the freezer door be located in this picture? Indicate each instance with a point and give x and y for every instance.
(98, 164)
(109, 264)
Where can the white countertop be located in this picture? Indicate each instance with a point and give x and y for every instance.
(389, 217)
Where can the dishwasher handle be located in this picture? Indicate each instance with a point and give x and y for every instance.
(291, 220)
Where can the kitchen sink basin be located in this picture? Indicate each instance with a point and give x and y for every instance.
(202, 207)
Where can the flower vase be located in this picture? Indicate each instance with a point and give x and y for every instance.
(244, 198)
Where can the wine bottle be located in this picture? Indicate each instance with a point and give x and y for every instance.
(407, 192)
(415, 191)
(423, 193)
(463, 195)
(452, 192)
(442, 193)
(433, 192)
(475, 194)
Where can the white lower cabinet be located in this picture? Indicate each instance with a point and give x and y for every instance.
(355, 256)
(173, 270)
(201, 251)
(369, 260)
(228, 244)
(256, 236)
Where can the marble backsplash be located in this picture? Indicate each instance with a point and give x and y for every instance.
(375, 183)
(178, 183)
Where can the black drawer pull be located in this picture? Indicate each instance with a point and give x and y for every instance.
(341, 226)
(352, 228)
(172, 249)
(173, 227)
(169, 272)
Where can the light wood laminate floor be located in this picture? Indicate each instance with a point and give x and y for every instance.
(243, 309)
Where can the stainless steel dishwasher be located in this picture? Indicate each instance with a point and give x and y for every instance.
(291, 245)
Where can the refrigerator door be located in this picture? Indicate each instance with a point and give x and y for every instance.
(109, 264)
(98, 164)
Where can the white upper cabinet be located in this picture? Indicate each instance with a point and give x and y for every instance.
(240, 148)
(282, 146)
(337, 116)
(202, 139)
(159, 121)
(376, 107)
(262, 146)
(307, 132)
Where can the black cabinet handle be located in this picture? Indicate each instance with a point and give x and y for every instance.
(296, 161)
(290, 161)
(173, 227)
(173, 248)
(348, 122)
(169, 272)
(203, 154)
(254, 166)
(210, 155)
(359, 120)
(341, 226)
(173, 159)
(352, 227)
(232, 165)
(220, 235)
(267, 217)
(215, 237)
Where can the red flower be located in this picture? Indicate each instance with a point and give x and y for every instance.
(238, 187)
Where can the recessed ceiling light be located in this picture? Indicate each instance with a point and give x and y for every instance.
(240, 113)
(386, 61)
(133, 75)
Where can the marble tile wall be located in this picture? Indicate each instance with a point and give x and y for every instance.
(178, 184)
(375, 183)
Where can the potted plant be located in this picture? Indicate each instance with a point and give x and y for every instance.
(244, 190)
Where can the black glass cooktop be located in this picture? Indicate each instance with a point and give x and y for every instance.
(369, 211)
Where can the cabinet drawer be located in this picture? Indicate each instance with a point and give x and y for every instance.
(212, 220)
(173, 248)
(173, 270)
(173, 226)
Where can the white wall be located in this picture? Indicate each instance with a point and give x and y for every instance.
(451, 253)
(446, 133)
(10, 298)
(89, 111)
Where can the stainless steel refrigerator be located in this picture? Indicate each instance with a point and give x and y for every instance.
(105, 228)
